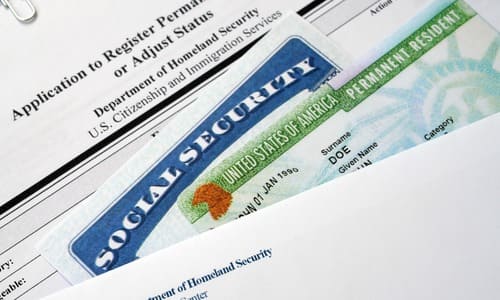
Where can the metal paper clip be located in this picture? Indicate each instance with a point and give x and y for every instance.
(24, 19)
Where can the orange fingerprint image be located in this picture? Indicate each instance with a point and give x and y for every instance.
(217, 199)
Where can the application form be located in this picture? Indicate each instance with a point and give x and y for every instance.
(88, 83)
(420, 225)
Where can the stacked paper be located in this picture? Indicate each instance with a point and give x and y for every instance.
(385, 96)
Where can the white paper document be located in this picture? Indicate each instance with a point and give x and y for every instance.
(420, 225)
(83, 88)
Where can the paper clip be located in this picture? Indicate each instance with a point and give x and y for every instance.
(24, 19)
